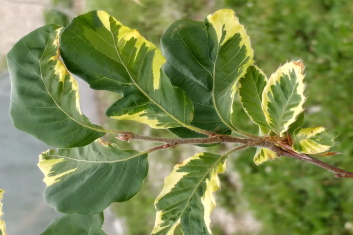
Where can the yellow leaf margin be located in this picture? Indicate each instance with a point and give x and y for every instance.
(2, 222)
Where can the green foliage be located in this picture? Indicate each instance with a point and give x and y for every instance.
(134, 68)
(313, 140)
(46, 94)
(203, 75)
(79, 224)
(254, 80)
(283, 97)
(186, 198)
(263, 155)
(197, 60)
(70, 173)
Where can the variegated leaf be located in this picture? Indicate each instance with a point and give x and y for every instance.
(263, 155)
(135, 106)
(76, 225)
(111, 56)
(283, 96)
(206, 59)
(44, 96)
(250, 88)
(2, 222)
(187, 196)
(88, 179)
(313, 140)
(297, 124)
(232, 55)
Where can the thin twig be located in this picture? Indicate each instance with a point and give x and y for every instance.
(254, 142)
(339, 173)
(237, 149)
(127, 136)
(163, 146)
(247, 142)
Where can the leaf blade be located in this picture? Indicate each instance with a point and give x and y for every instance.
(250, 88)
(77, 177)
(297, 124)
(121, 57)
(137, 107)
(283, 97)
(76, 224)
(44, 96)
(206, 59)
(185, 44)
(313, 140)
(234, 56)
(263, 155)
(194, 188)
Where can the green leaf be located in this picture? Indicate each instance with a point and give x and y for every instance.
(313, 140)
(232, 57)
(88, 179)
(250, 88)
(76, 225)
(135, 106)
(283, 96)
(2, 222)
(297, 124)
(206, 59)
(44, 96)
(188, 67)
(263, 155)
(187, 196)
(111, 56)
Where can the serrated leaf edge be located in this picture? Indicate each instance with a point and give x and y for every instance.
(302, 137)
(298, 67)
(213, 184)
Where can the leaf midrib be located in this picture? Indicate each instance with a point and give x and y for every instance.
(257, 95)
(56, 103)
(214, 85)
(135, 83)
(213, 96)
(198, 184)
(280, 122)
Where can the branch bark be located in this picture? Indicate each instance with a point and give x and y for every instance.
(339, 173)
(127, 136)
(246, 142)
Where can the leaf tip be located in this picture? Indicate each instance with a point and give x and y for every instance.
(300, 64)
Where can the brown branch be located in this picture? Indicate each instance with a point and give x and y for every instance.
(159, 147)
(247, 142)
(339, 173)
(244, 146)
(127, 136)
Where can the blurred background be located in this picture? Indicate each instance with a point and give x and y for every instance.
(279, 197)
